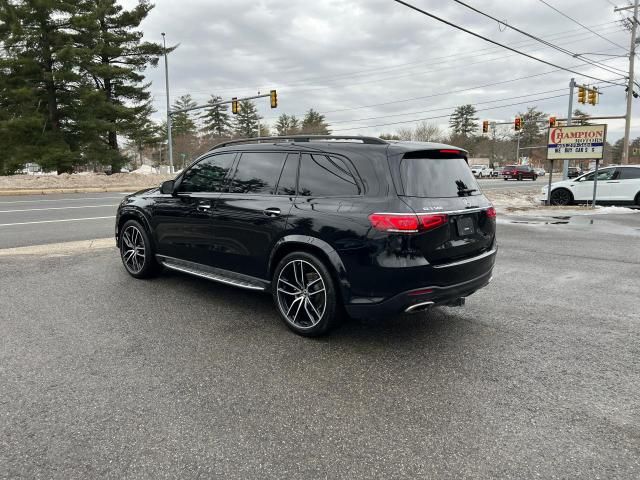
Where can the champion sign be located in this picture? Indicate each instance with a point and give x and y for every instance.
(579, 142)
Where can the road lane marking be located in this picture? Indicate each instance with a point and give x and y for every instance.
(58, 249)
(64, 199)
(55, 221)
(57, 208)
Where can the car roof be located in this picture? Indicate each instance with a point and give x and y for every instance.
(334, 143)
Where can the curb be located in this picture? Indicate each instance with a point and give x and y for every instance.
(48, 191)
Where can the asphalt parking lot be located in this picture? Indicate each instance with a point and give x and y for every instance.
(538, 376)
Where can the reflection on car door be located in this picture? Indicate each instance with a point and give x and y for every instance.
(182, 221)
(250, 217)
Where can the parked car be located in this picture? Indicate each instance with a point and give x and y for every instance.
(616, 186)
(480, 171)
(574, 172)
(540, 172)
(497, 172)
(322, 223)
(519, 172)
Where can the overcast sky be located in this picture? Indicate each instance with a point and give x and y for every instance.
(360, 61)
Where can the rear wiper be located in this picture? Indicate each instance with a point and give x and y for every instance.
(466, 191)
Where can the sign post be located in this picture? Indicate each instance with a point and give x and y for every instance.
(578, 142)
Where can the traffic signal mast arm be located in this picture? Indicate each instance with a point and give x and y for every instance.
(270, 95)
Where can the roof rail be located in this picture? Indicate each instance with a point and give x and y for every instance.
(303, 138)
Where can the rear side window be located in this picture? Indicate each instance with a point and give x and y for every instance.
(437, 177)
(628, 173)
(325, 176)
(207, 175)
(257, 172)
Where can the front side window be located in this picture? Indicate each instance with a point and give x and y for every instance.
(257, 172)
(629, 173)
(602, 175)
(325, 176)
(289, 176)
(207, 175)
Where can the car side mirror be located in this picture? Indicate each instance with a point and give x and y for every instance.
(167, 187)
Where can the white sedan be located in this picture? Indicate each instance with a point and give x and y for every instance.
(616, 185)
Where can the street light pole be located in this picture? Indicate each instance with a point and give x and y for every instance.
(632, 56)
(166, 79)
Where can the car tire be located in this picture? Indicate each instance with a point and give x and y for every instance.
(136, 251)
(505, 179)
(305, 294)
(535, 177)
(561, 197)
(637, 199)
(519, 178)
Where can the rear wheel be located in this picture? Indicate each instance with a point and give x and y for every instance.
(520, 177)
(561, 196)
(637, 200)
(136, 251)
(535, 177)
(305, 295)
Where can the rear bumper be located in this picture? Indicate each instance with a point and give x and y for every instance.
(438, 295)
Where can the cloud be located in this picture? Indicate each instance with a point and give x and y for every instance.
(336, 57)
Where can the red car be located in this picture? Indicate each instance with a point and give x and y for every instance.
(519, 172)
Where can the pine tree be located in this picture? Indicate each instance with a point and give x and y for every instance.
(216, 119)
(182, 124)
(246, 124)
(112, 58)
(463, 120)
(287, 125)
(314, 124)
(532, 122)
(37, 92)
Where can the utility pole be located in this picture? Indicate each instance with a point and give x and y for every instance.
(565, 163)
(493, 145)
(632, 56)
(518, 149)
(166, 79)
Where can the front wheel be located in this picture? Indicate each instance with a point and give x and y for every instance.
(561, 196)
(305, 295)
(519, 178)
(535, 177)
(136, 251)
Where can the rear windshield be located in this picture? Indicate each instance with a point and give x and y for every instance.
(437, 177)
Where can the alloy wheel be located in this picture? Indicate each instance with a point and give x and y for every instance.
(302, 294)
(560, 197)
(133, 249)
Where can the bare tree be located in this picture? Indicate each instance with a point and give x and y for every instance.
(405, 133)
(427, 132)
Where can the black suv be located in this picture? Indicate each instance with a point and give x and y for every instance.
(325, 224)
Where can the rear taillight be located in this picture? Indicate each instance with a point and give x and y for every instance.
(491, 213)
(406, 223)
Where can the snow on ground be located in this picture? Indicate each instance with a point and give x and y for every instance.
(80, 180)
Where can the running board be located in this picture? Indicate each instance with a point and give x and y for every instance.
(214, 274)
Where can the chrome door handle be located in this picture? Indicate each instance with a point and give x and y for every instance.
(271, 212)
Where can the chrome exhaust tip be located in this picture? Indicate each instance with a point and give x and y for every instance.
(418, 307)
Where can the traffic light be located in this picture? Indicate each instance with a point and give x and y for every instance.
(582, 94)
(274, 99)
(517, 124)
(593, 95)
(552, 122)
(235, 108)
(485, 126)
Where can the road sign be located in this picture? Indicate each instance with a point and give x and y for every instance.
(577, 142)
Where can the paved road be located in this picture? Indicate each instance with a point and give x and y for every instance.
(42, 219)
(537, 377)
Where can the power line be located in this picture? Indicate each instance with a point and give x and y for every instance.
(448, 115)
(486, 39)
(582, 25)
(472, 53)
(538, 39)
(334, 122)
